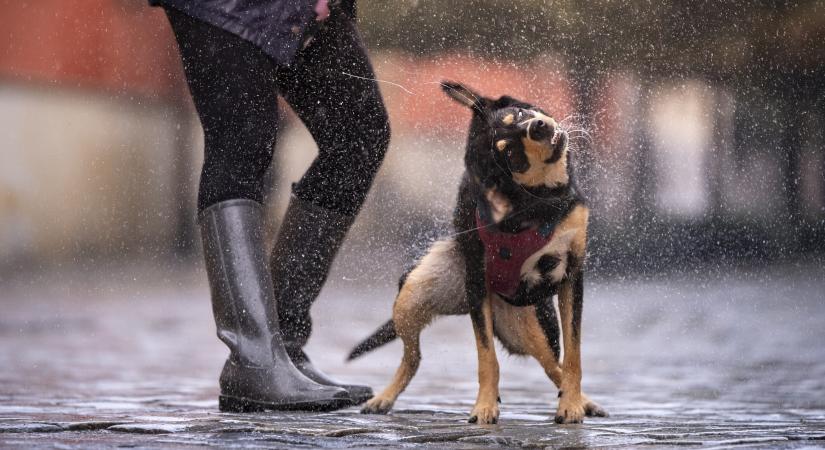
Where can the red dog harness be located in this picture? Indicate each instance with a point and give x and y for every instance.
(505, 254)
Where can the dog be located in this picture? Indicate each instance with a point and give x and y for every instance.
(520, 238)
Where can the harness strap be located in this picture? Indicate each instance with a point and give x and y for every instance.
(505, 254)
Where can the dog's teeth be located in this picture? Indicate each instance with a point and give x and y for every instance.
(555, 138)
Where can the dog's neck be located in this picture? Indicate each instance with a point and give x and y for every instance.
(530, 206)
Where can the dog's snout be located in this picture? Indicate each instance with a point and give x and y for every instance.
(540, 129)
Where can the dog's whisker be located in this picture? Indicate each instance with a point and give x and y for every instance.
(380, 81)
(576, 147)
(573, 131)
(575, 117)
(572, 128)
(571, 117)
(580, 136)
(474, 100)
(583, 134)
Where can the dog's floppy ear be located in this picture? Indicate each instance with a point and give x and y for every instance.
(464, 95)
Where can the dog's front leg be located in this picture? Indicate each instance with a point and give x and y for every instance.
(481, 314)
(486, 408)
(480, 306)
(571, 301)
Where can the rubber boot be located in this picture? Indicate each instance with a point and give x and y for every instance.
(307, 242)
(258, 375)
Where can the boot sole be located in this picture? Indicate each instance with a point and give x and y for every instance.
(228, 403)
(361, 399)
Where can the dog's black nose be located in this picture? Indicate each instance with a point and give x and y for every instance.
(539, 129)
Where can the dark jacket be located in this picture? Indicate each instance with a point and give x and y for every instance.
(278, 27)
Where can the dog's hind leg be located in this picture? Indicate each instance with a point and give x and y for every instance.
(409, 323)
(435, 287)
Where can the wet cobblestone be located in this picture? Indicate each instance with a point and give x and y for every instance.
(729, 362)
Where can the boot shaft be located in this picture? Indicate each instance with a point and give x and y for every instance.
(232, 233)
(307, 243)
(258, 373)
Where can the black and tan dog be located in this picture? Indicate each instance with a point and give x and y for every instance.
(520, 239)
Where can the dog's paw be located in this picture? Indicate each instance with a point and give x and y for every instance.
(571, 409)
(377, 405)
(484, 414)
(593, 409)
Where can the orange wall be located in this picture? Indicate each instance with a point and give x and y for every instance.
(120, 45)
(125, 46)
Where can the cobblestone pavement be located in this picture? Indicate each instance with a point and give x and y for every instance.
(686, 360)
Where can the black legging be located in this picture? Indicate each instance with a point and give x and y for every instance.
(235, 87)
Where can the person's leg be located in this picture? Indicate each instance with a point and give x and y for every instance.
(233, 86)
(331, 89)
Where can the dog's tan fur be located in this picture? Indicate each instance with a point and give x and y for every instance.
(542, 174)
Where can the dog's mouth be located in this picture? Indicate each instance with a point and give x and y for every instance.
(558, 144)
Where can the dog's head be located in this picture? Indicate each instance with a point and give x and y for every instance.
(521, 140)
(511, 142)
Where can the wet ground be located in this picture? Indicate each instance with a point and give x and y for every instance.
(128, 358)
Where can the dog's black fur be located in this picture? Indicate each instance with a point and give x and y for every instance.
(497, 163)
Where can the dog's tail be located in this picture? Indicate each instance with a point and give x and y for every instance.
(383, 335)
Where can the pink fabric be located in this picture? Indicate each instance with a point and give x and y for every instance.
(503, 274)
(322, 10)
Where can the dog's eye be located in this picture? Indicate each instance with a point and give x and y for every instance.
(520, 114)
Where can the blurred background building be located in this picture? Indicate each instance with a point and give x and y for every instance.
(698, 128)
